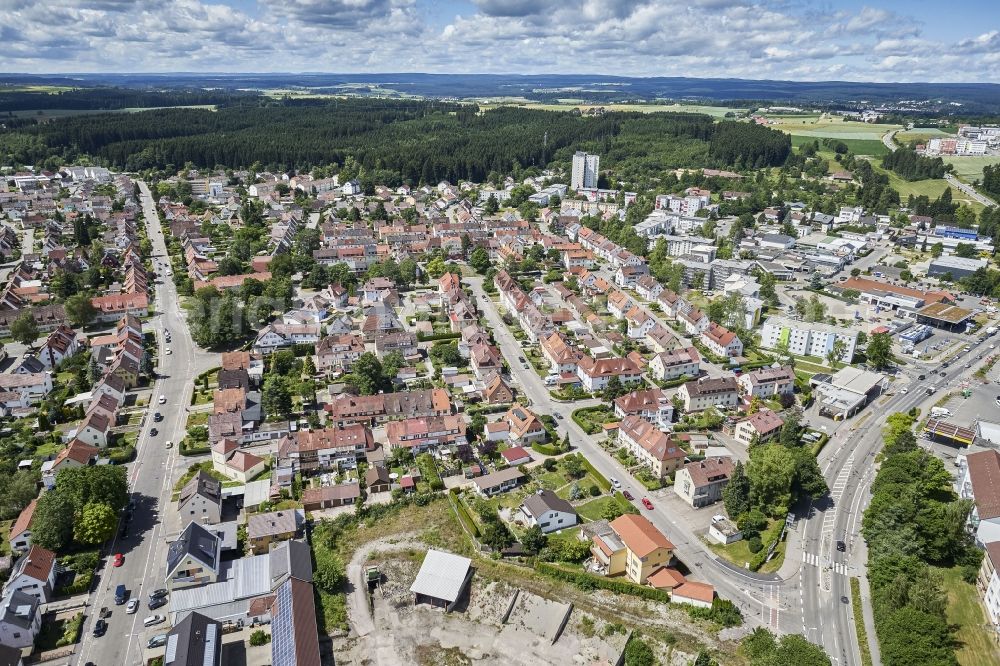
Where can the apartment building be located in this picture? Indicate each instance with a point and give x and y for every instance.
(807, 339)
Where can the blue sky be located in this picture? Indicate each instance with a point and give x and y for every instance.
(916, 40)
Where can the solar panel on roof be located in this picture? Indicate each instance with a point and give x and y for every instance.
(171, 652)
(210, 644)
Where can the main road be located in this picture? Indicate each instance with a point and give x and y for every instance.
(807, 594)
(150, 475)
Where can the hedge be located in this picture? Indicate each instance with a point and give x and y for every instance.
(546, 449)
(121, 455)
(601, 481)
(586, 581)
(421, 337)
(463, 513)
(188, 450)
(859, 622)
(820, 443)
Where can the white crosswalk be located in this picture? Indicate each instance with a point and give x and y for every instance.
(816, 561)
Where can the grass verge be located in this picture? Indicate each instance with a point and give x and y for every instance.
(859, 622)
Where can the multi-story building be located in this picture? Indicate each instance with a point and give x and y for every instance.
(721, 341)
(650, 446)
(632, 546)
(701, 483)
(708, 392)
(807, 339)
(676, 363)
(585, 171)
(767, 382)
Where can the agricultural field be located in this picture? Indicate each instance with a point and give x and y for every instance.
(857, 146)
(34, 89)
(971, 168)
(567, 105)
(834, 127)
(920, 134)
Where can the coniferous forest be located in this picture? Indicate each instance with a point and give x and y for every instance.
(396, 141)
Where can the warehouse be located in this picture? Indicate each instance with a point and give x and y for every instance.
(957, 267)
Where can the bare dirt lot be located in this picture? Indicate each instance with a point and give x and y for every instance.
(474, 633)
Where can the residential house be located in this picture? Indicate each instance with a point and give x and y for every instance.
(61, 344)
(337, 353)
(496, 391)
(200, 500)
(426, 432)
(760, 426)
(515, 456)
(20, 530)
(619, 303)
(20, 619)
(670, 365)
(695, 321)
(640, 323)
(193, 559)
(403, 342)
(346, 408)
(560, 353)
(648, 288)
(979, 481)
(195, 640)
(631, 546)
(94, 429)
(114, 306)
(703, 393)
(721, 341)
(235, 463)
(278, 336)
(499, 482)
(76, 454)
(596, 373)
(327, 448)
(650, 404)
(377, 480)
(548, 511)
(661, 339)
(485, 359)
(524, 426)
(31, 387)
(767, 382)
(701, 483)
(34, 574)
(264, 529)
(650, 446)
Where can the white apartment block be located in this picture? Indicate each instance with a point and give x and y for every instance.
(585, 169)
(805, 339)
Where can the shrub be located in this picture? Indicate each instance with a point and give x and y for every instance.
(586, 582)
(549, 464)
(121, 455)
(754, 544)
(260, 637)
(594, 491)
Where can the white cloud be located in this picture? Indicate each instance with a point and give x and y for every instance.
(714, 38)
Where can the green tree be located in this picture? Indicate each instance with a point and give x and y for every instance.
(771, 471)
(492, 205)
(52, 526)
(329, 575)
(736, 494)
(23, 329)
(436, 267)
(480, 260)
(966, 251)
(101, 484)
(790, 430)
(16, 492)
(573, 467)
(367, 374)
(276, 398)
(96, 524)
(837, 351)
(533, 539)
(879, 350)
(80, 310)
(497, 536)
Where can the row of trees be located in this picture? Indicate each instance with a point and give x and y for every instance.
(915, 522)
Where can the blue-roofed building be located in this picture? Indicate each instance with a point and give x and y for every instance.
(955, 232)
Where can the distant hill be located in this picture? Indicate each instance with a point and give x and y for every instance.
(937, 97)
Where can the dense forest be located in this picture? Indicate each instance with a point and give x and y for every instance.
(395, 141)
(109, 99)
(911, 166)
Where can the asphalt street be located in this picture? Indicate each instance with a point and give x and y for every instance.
(150, 477)
(807, 595)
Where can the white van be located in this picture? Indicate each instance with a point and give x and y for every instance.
(152, 619)
(940, 411)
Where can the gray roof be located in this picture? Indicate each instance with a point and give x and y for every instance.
(9, 656)
(291, 559)
(201, 484)
(194, 641)
(546, 500)
(498, 478)
(18, 609)
(274, 523)
(197, 542)
(442, 575)
(239, 582)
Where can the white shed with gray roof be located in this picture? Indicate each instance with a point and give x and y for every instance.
(441, 579)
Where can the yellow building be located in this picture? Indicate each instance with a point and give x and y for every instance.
(632, 546)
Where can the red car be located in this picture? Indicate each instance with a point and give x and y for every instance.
(119, 560)
(646, 503)
(628, 495)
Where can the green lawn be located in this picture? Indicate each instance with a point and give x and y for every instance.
(971, 168)
(197, 419)
(48, 449)
(739, 553)
(857, 146)
(932, 188)
(194, 469)
(4, 536)
(585, 483)
(975, 645)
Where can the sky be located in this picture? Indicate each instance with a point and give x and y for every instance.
(807, 40)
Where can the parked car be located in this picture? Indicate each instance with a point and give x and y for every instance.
(646, 503)
(156, 603)
(132, 607)
(627, 495)
(156, 641)
(616, 483)
(152, 619)
(170, 444)
(156, 594)
(153, 432)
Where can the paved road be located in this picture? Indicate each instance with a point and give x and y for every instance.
(890, 143)
(750, 591)
(149, 479)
